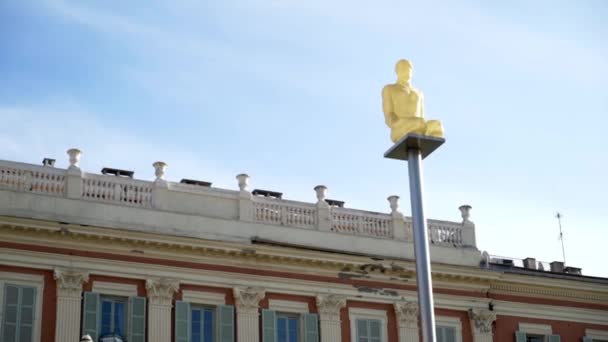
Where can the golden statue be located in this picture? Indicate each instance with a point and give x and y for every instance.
(403, 106)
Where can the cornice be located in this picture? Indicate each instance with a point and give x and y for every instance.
(279, 258)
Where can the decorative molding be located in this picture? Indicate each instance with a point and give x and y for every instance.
(482, 320)
(115, 289)
(203, 297)
(547, 292)
(407, 314)
(329, 307)
(538, 329)
(160, 291)
(247, 299)
(288, 306)
(69, 282)
(550, 312)
(597, 334)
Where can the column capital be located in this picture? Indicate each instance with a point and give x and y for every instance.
(160, 291)
(407, 314)
(481, 320)
(247, 299)
(69, 281)
(329, 307)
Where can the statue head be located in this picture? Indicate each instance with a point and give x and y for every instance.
(403, 68)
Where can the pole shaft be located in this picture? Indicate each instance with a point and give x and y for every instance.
(421, 247)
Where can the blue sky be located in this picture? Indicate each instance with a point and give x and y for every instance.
(288, 91)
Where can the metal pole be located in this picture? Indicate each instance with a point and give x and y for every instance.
(421, 247)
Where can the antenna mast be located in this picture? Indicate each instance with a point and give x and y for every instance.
(561, 234)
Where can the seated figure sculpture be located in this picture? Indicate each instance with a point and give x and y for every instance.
(403, 106)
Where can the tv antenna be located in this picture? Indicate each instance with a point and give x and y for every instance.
(559, 216)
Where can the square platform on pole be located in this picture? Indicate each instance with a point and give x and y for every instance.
(426, 144)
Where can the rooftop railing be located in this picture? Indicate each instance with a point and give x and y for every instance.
(239, 204)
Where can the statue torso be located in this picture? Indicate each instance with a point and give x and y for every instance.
(406, 102)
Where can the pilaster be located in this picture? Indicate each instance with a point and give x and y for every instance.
(247, 302)
(329, 317)
(407, 321)
(481, 324)
(69, 295)
(160, 295)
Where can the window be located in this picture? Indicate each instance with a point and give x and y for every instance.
(594, 335)
(368, 330)
(202, 317)
(202, 323)
(289, 327)
(530, 332)
(20, 306)
(445, 333)
(18, 320)
(448, 329)
(113, 312)
(124, 316)
(368, 325)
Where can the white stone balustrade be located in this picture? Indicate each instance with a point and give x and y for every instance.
(208, 203)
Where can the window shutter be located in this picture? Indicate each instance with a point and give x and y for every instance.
(26, 313)
(90, 315)
(137, 319)
(554, 338)
(269, 326)
(225, 323)
(311, 327)
(520, 336)
(587, 339)
(182, 321)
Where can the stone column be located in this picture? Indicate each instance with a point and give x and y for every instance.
(407, 321)
(69, 297)
(481, 323)
(329, 317)
(160, 295)
(247, 302)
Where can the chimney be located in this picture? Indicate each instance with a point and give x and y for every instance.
(48, 162)
(557, 267)
(530, 263)
(573, 270)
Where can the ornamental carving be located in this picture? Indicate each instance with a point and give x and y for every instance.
(247, 300)
(69, 282)
(329, 307)
(482, 320)
(407, 314)
(160, 291)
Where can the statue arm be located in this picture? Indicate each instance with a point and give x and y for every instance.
(387, 107)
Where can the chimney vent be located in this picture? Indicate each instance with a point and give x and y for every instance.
(573, 270)
(117, 172)
(195, 182)
(48, 162)
(557, 267)
(530, 263)
(267, 193)
(335, 203)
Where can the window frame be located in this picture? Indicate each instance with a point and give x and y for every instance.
(203, 307)
(204, 299)
(536, 330)
(594, 334)
(30, 280)
(290, 308)
(113, 290)
(115, 299)
(450, 322)
(374, 314)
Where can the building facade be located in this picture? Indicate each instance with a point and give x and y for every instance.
(160, 261)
